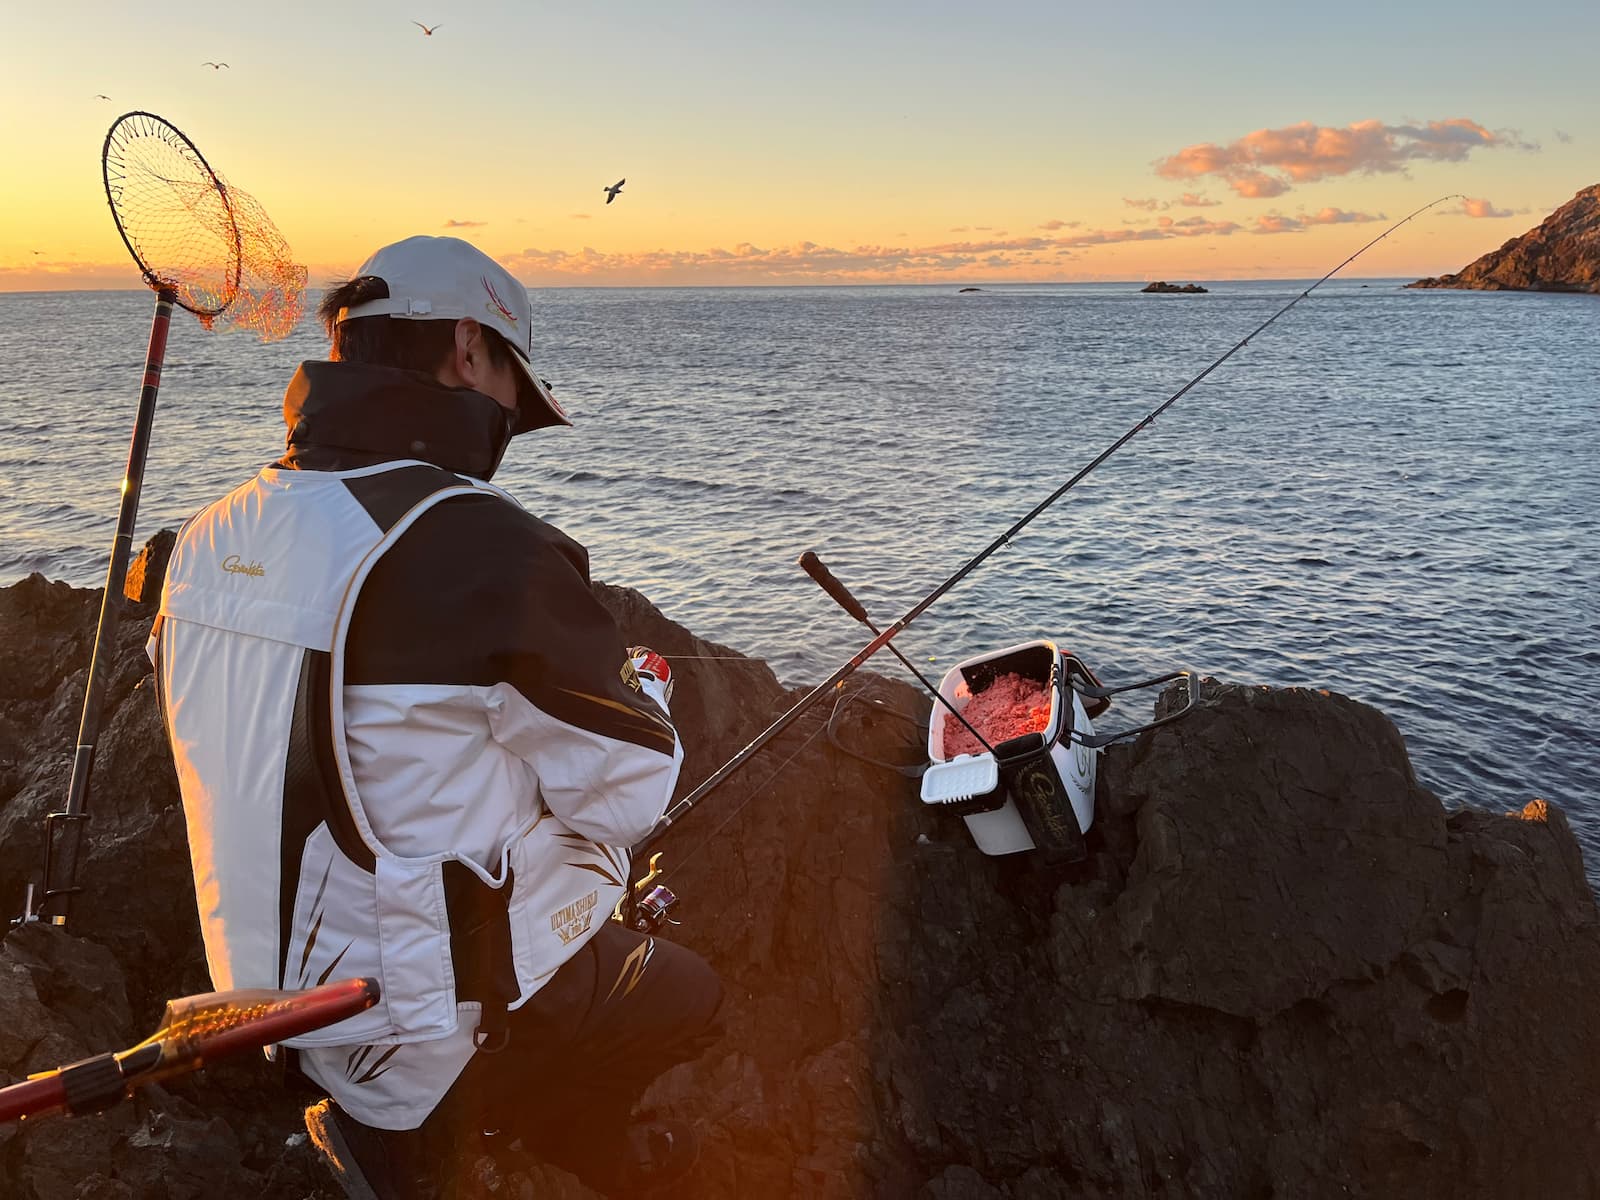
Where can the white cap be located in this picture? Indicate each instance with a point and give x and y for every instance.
(445, 278)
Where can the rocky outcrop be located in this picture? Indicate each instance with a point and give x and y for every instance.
(1283, 969)
(1561, 255)
(1167, 288)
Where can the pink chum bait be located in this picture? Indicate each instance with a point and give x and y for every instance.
(1009, 707)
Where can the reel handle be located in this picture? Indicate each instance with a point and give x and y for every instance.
(817, 569)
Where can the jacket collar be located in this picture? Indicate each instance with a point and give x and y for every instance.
(347, 415)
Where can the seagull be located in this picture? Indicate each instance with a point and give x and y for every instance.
(214, 66)
(98, 96)
(614, 190)
(427, 30)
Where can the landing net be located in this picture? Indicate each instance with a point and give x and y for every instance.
(190, 231)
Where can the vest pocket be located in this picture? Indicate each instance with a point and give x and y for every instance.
(389, 924)
(566, 886)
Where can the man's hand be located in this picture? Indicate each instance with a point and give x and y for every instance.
(651, 665)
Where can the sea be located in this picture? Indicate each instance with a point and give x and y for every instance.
(1393, 494)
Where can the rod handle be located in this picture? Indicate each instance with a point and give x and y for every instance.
(814, 567)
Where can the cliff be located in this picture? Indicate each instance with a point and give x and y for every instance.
(1284, 969)
(1561, 255)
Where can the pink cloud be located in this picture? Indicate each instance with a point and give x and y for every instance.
(1483, 208)
(454, 224)
(1268, 162)
(1278, 223)
(1196, 200)
(1054, 223)
(810, 262)
(1338, 216)
(1151, 205)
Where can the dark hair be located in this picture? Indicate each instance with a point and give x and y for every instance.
(382, 340)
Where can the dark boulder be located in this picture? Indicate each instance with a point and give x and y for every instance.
(1562, 254)
(1283, 969)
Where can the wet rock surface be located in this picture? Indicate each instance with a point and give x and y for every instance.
(1284, 969)
(1562, 254)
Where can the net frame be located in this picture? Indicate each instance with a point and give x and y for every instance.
(132, 144)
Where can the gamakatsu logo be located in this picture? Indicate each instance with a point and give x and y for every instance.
(573, 920)
(234, 565)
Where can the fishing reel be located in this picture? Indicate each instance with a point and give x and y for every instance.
(646, 906)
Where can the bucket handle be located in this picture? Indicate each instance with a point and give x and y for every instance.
(1091, 688)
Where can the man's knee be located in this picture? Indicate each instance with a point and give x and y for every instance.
(680, 992)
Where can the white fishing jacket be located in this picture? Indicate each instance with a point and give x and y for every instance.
(409, 740)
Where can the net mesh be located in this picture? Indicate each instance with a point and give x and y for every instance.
(189, 230)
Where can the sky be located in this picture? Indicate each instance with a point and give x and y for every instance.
(878, 141)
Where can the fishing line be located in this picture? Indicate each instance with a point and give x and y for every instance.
(755, 791)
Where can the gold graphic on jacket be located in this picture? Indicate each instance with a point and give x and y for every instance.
(649, 723)
(633, 967)
(611, 865)
(573, 920)
(235, 565)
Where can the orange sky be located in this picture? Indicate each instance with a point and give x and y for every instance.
(909, 143)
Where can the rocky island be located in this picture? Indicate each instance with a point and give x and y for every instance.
(1562, 254)
(1285, 968)
(1164, 287)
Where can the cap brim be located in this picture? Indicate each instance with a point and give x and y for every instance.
(537, 408)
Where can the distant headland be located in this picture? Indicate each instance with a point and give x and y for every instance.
(1163, 286)
(1561, 255)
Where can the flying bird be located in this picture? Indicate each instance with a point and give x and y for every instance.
(427, 30)
(614, 190)
(98, 96)
(214, 66)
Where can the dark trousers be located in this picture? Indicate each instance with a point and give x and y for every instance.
(584, 1048)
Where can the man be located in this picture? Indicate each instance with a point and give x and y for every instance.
(412, 746)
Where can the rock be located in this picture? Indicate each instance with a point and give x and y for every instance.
(149, 568)
(971, 289)
(1284, 968)
(1169, 288)
(1562, 254)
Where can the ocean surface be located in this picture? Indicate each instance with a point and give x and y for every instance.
(1391, 494)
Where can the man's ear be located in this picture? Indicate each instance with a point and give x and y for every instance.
(469, 356)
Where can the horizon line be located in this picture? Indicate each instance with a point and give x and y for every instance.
(994, 283)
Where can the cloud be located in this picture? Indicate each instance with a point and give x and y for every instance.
(1151, 205)
(1269, 162)
(1564, 138)
(1196, 200)
(1483, 208)
(1053, 223)
(1196, 227)
(454, 224)
(1338, 216)
(959, 229)
(1278, 223)
(580, 216)
(809, 262)
(48, 274)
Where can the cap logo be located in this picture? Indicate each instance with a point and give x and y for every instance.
(497, 305)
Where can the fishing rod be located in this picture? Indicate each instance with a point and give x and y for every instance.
(194, 1031)
(678, 811)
